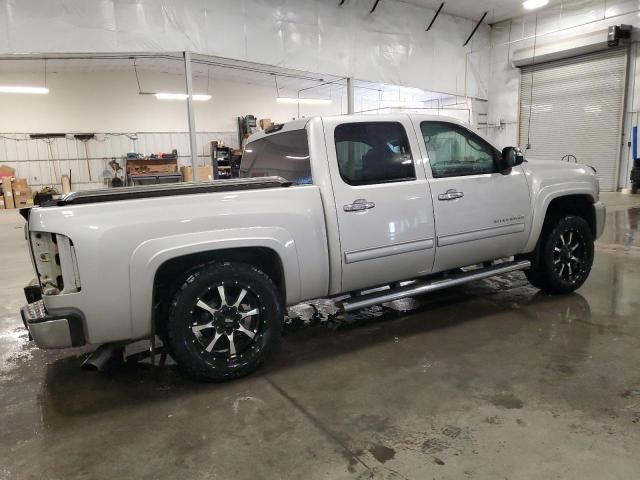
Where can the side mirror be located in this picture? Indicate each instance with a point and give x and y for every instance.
(511, 156)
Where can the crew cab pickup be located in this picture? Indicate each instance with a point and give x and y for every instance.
(400, 204)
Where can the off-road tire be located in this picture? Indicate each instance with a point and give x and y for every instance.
(189, 349)
(552, 252)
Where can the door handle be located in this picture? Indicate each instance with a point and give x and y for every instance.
(450, 195)
(358, 205)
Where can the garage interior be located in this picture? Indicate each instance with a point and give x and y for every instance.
(493, 379)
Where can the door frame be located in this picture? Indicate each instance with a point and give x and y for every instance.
(416, 120)
(418, 157)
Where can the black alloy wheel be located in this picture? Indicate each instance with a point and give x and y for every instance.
(563, 256)
(224, 321)
(569, 256)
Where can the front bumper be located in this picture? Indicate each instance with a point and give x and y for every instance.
(601, 214)
(60, 329)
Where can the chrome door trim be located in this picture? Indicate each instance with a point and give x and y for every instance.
(388, 250)
(480, 234)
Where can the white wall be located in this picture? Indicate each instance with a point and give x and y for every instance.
(389, 46)
(570, 27)
(110, 102)
(109, 105)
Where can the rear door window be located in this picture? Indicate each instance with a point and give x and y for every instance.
(283, 155)
(373, 152)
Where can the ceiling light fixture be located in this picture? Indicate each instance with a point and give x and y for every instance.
(533, 4)
(182, 96)
(307, 101)
(171, 96)
(10, 89)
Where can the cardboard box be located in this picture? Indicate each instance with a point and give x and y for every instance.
(19, 185)
(24, 199)
(205, 173)
(7, 192)
(6, 171)
(22, 196)
(265, 123)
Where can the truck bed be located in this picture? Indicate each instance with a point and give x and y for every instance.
(165, 190)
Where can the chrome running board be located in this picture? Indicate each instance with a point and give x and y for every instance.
(362, 301)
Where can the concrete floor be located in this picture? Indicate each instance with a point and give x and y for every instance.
(490, 381)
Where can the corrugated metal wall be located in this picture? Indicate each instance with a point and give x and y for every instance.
(575, 106)
(42, 162)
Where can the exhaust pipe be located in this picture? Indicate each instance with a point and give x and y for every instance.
(97, 360)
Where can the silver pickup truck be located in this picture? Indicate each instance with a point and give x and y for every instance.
(331, 206)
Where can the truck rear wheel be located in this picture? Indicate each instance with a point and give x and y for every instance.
(563, 257)
(224, 321)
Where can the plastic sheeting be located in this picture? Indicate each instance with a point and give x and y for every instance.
(389, 46)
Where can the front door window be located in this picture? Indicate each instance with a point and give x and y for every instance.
(455, 151)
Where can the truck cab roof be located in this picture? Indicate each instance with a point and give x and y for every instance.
(302, 122)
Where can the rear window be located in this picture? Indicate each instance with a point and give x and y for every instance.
(283, 155)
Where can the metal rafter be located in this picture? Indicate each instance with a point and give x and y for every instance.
(435, 16)
(473, 32)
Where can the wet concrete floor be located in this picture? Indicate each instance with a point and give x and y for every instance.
(492, 380)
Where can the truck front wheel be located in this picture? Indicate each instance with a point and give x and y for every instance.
(563, 257)
(224, 321)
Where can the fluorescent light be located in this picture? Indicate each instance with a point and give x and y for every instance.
(182, 96)
(309, 101)
(38, 90)
(532, 4)
(171, 96)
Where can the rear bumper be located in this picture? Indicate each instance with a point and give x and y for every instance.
(601, 214)
(61, 329)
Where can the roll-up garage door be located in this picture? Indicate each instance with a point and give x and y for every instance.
(574, 107)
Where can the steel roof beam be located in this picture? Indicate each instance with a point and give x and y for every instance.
(435, 16)
(473, 32)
